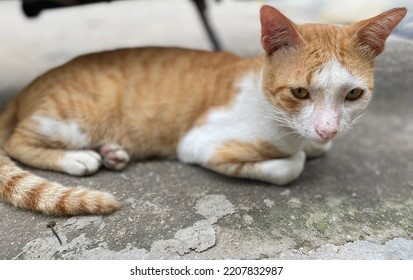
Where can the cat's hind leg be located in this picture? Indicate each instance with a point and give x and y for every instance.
(78, 162)
(50, 144)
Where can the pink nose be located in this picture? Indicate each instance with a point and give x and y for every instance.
(326, 134)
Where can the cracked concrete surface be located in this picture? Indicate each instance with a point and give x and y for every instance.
(354, 203)
(199, 237)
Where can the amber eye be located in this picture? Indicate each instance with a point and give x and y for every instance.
(300, 93)
(354, 94)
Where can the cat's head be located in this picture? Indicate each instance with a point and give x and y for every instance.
(321, 77)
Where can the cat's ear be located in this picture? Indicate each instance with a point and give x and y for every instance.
(277, 31)
(372, 33)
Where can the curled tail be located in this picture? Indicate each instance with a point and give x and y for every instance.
(26, 190)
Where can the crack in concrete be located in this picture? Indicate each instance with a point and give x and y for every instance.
(199, 237)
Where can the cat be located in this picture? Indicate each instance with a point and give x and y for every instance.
(256, 118)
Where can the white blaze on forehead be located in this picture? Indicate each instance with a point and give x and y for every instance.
(333, 78)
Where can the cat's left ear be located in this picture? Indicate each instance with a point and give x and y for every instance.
(372, 33)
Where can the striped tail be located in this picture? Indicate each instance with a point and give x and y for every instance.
(26, 190)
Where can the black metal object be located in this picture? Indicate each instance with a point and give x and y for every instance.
(201, 7)
(32, 8)
(51, 225)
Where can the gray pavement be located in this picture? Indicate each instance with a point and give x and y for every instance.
(354, 203)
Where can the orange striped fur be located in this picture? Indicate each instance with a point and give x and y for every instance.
(217, 110)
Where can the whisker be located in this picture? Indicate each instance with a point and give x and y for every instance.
(357, 118)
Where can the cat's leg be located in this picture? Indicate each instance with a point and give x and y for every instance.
(258, 159)
(314, 149)
(34, 154)
(114, 157)
(52, 144)
(276, 171)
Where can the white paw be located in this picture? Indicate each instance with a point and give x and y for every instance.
(80, 163)
(114, 156)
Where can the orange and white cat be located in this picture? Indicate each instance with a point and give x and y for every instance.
(254, 118)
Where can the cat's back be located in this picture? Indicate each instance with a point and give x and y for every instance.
(154, 58)
(122, 71)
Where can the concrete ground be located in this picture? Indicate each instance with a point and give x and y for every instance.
(354, 203)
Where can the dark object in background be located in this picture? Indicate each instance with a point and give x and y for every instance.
(32, 8)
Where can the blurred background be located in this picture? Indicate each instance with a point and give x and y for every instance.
(31, 45)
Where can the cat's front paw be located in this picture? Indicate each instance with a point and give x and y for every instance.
(114, 156)
(80, 163)
(314, 149)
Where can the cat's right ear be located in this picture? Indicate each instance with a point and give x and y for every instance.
(277, 31)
